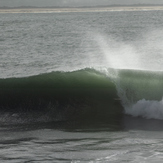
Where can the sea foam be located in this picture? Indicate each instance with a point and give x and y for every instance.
(149, 109)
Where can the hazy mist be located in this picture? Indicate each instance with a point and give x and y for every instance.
(73, 3)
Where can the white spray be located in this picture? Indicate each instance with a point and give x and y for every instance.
(145, 54)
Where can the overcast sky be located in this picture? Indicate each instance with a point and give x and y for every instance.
(73, 3)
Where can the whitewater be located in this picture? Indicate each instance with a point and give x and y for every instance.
(79, 82)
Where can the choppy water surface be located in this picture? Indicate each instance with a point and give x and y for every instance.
(80, 145)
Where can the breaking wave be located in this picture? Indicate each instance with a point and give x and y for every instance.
(85, 94)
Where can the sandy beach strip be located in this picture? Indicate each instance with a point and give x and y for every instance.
(93, 9)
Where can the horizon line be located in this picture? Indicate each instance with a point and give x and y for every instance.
(98, 6)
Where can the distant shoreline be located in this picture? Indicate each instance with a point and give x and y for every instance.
(79, 9)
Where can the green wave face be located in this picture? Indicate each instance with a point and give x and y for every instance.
(137, 85)
(141, 93)
(84, 94)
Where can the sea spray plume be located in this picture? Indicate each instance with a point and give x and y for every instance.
(117, 54)
(139, 87)
(144, 53)
(101, 51)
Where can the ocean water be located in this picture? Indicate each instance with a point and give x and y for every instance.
(81, 87)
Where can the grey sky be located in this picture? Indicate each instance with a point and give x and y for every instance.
(73, 3)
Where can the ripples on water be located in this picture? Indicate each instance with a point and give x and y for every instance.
(51, 145)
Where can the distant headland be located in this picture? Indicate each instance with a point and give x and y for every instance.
(58, 9)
